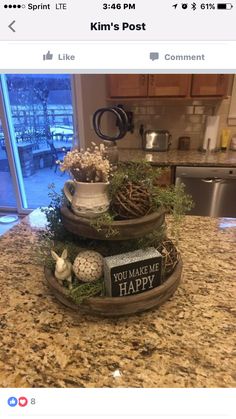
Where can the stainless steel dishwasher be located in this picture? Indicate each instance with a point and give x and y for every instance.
(213, 189)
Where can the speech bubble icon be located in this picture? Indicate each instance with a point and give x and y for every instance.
(154, 56)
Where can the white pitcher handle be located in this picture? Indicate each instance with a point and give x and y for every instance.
(67, 191)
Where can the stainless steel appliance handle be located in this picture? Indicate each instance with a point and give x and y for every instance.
(212, 180)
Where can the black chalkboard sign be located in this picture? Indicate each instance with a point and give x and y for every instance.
(133, 272)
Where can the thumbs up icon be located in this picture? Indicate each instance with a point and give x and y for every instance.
(48, 56)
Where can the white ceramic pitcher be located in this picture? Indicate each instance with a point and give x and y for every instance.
(88, 200)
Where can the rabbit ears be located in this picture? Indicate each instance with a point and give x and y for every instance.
(64, 254)
(56, 257)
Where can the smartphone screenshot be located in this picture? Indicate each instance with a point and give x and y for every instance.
(117, 209)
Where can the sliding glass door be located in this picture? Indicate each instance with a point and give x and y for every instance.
(7, 192)
(38, 130)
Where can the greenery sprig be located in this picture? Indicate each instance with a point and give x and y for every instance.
(87, 290)
(105, 221)
(134, 172)
(171, 198)
(54, 227)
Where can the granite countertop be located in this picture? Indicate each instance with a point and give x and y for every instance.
(180, 158)
(188, 342)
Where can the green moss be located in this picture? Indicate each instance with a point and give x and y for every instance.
(87, 290)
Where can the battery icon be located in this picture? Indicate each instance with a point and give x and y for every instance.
(224, 6)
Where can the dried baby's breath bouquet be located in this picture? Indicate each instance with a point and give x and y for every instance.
(87, 166)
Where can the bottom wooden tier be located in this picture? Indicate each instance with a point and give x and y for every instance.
(118, 306)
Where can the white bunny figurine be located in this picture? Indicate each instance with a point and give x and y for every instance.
(63, 270)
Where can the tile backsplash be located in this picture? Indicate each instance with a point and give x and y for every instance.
(180, 117)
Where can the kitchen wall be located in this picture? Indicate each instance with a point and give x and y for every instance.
(91, 94)
(179, 116)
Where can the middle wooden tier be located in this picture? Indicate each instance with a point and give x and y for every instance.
(124, 229)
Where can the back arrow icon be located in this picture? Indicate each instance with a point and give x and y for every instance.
(175, 5)
(11, 26)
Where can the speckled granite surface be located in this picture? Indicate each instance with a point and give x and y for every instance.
(188, 342)
(182, 158)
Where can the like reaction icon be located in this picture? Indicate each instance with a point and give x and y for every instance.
(22, 401)
(12, 401)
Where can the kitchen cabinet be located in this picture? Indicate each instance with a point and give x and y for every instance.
(164, 85)
(144, 85)
(209, 85)
(166, 178)
(128, 85)
(168, 85)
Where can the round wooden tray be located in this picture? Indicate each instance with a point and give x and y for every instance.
(118, 306)
(127, 229)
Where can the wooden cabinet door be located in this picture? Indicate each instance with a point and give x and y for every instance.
(165, 178)
(210, 85)
(169, 85)
(128, 85)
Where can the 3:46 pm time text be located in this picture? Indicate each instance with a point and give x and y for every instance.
(119, 6)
